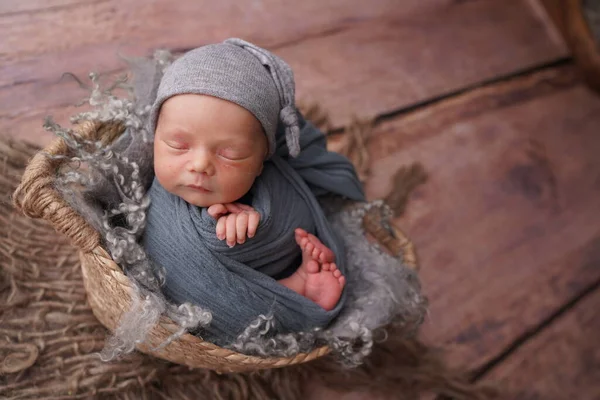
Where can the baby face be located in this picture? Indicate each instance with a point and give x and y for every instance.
(207, 150)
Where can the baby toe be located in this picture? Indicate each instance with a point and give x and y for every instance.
(303, 243)
(301, 232)
(316, 253)
(329, 255)
(309, 248)
(342, 281)
(312, 267)
(337, 273)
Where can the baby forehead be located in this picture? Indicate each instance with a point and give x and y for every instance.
(191, 105)
(199, 109)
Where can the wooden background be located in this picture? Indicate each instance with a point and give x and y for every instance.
(483, 93)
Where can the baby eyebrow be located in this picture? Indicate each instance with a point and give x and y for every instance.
(236, 145)
(177, 135)
(236, 141)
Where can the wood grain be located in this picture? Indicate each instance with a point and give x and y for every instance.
(11, 7)
(507, 226)
(184, 24)
(384, 65)
(561, 362)
(555, 11)
(351, 60)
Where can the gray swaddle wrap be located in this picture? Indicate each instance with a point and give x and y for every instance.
(236, 283)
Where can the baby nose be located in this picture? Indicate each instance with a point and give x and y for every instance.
(201, 163)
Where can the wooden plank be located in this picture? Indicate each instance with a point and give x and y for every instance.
(555, 10)
(30, 128)
(364, 66)
(56, 29)
(508, 225)
(29, 6)
(184, 24)
(560, 362)
(385, 65)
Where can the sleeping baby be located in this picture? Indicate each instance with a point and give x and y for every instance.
(235, 219)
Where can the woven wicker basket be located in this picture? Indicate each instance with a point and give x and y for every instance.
(108, 288)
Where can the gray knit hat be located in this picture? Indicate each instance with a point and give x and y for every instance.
(242, 73)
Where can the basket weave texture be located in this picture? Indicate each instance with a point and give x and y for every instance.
(109, 290)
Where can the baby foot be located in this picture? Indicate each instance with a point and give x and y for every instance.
(313, 246)
(325, 286)
(317, 278)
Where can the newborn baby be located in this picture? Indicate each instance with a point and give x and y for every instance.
(235, 219)
(209, 151)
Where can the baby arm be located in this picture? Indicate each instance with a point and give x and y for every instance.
(235, 222)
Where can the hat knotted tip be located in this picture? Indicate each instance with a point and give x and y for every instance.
(289, 117)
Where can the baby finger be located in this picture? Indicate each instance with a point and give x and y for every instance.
(253, 220)
(220, 229)
(235, 207)
(241, 227)
(216, 210)
(230, 229)
(244, 207)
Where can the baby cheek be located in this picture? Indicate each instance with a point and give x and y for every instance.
(241, 171)
(236, 177)
(166, 168)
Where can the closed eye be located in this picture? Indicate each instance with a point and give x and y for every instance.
(176, 145)
(233, 154)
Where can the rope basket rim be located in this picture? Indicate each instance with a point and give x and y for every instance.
(36, 197)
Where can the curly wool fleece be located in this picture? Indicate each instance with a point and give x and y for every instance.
(381, 290)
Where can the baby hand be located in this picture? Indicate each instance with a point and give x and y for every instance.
(234, 222)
